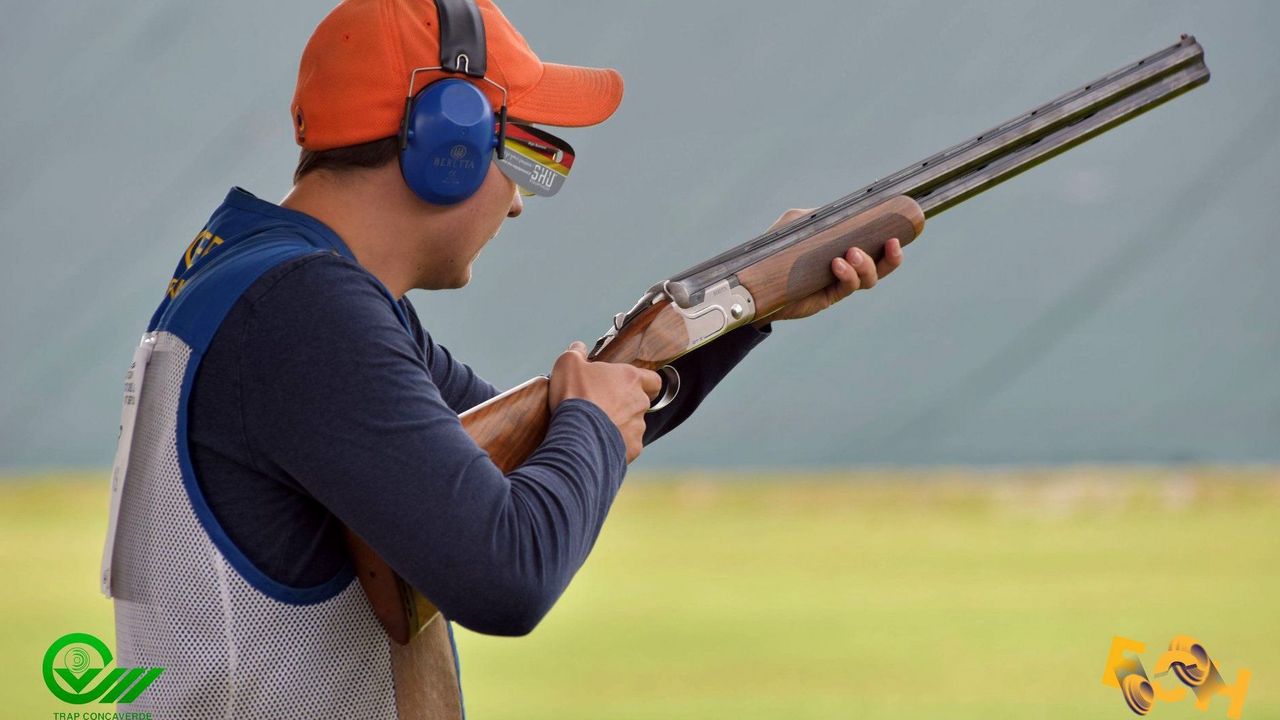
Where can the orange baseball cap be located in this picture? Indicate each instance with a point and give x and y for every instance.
(354, 74)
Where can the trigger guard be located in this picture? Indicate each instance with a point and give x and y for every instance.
(670, 388)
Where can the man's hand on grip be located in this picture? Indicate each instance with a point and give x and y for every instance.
(622, 391)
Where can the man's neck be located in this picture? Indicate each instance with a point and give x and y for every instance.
(381, 227)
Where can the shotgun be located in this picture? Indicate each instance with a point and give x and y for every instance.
(757, 278)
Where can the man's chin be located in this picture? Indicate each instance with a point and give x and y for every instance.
(462, 280)
(449, 283)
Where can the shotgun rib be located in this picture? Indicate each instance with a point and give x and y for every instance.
(964, 170)
(757, 278)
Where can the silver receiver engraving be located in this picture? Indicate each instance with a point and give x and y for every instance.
(725, 306)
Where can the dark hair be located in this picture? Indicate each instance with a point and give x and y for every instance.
(373, 154)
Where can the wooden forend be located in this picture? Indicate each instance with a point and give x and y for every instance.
(805, 267)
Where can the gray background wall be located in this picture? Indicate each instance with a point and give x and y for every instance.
(1115, 304)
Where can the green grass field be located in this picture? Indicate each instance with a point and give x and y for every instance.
(872, 595)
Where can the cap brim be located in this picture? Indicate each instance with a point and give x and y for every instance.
(570, 96)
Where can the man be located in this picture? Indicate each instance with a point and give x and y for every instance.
(291, 392)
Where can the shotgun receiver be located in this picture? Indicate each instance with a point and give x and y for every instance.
(755, 279)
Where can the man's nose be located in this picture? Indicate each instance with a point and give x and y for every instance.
(517, 204)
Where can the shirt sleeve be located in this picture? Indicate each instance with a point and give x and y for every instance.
(353, 414)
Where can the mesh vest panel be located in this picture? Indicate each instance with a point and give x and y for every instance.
(228, 649)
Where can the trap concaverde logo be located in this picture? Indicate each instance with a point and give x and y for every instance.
(75, 660)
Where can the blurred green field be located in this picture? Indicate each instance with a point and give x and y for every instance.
(872, 595)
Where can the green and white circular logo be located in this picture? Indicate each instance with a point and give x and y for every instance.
(75, 660)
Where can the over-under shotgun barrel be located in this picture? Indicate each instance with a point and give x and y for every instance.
(964, 170)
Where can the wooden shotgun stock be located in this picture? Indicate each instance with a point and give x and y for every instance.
(511, 426)
(757, 278)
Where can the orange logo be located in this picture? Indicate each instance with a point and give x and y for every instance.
(1189, 662)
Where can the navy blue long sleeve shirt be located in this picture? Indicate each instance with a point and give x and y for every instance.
(313, 408)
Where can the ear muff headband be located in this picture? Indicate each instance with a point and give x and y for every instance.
(462, 48)
(448, 128)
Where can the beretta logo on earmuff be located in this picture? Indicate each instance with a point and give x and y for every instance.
(457, 159)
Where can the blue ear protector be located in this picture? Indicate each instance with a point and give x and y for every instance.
(447, 139)
(448, 129)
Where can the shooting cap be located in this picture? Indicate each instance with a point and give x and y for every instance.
(355, 70)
